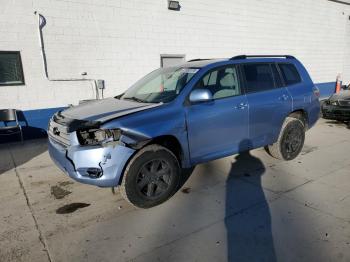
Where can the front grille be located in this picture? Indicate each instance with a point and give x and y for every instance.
(59, 133)
(344, 103)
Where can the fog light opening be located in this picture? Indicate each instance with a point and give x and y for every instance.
(94, 172)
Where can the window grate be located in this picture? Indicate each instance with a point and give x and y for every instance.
(11, 71)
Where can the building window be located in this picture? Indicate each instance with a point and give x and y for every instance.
(11, 72)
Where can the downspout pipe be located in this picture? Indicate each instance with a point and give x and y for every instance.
(42, 23)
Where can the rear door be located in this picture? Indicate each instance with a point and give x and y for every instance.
(269, 102)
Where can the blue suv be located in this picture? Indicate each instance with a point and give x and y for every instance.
(177, 117)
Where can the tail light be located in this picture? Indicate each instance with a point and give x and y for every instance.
(316, 91)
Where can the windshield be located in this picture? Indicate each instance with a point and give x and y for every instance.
(162, 85)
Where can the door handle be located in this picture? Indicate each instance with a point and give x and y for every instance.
(241, 106)
(283, 97)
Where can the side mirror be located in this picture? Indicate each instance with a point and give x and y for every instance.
(200, 96)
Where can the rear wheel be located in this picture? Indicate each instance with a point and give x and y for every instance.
(290, 141)
(151, 177)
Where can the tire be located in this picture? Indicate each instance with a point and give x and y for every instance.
(290, 141)
(151, 177)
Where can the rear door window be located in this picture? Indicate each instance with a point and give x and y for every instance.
(290, 74)
(277, 76)
(258, 77)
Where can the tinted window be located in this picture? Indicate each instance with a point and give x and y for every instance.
(290, 74)
(222, 82)
(277, 76)
(11, 69)
(258, 77)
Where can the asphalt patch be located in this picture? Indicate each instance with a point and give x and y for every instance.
(65, 183)
(70, 208)
(58, 192)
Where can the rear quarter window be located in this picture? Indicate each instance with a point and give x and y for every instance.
(290, 74)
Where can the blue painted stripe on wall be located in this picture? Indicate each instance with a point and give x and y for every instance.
(326, 89)
(39, 118)
(35, 122)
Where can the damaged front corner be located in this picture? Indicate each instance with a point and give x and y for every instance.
(133, 139)
(100, 166)
(129, 139)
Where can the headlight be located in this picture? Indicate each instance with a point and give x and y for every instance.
(98, 136)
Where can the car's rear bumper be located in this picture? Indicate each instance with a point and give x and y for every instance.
(82, 163)
(336, 112)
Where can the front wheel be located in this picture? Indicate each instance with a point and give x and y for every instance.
(290, 141)
(151, 177)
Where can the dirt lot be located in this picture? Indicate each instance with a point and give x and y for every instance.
(247, 207)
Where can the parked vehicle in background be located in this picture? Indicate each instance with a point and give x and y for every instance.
(337, 107)
(178, 117)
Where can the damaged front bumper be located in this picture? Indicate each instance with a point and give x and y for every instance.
(95, 165)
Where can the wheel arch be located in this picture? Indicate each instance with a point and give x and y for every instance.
(168, 141)
(302, 115)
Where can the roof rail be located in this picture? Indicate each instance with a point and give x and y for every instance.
(257, 56)
(199, 59)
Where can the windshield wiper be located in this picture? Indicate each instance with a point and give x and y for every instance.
(133, 98)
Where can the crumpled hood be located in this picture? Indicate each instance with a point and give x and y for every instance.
(105, 109)
(342, 95)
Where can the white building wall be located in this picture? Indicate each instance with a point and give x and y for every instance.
(121, 40)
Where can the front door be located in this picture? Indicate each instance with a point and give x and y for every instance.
(220, 127)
